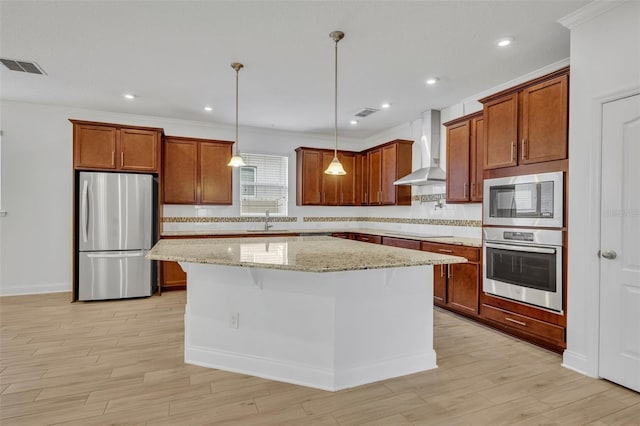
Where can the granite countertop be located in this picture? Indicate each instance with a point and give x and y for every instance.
(308, 253)
(463, 241)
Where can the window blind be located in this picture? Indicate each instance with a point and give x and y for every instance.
(264, 185)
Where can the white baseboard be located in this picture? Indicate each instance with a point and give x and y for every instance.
(578, 363)
(35, 289)
(303, 375)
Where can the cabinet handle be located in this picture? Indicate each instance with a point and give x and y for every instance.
(450, 269)
(513, 144)
(524, 149)
(442, 270)
(122, 159)
(445, 250)
(113, 158)
(524, 324)
(464, 190)
(473, 189)
(366, 198)
(364, 239)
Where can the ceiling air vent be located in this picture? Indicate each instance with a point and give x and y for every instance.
(365, 112)
(22, 66)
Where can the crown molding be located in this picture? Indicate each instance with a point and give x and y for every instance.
(588, 12)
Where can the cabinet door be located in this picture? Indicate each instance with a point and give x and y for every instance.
(462, 285)
(388, 174)
(374, 163)
(363, 181)
(309, 179)
(501, 132)
(215, 174)
(477, 158)
(139, 150)
(348, 183)
(95, 146)
(458, 162)
(544, 121)
(172, 276)
(180, 172)
(330, 183)
(440, 284)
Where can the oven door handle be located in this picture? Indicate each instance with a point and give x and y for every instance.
(528, 249)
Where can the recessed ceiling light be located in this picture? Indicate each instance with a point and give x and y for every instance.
(129, 96)
(208, 108)
(432, 80)
(353, 122)
(504, 42)
(385, 105)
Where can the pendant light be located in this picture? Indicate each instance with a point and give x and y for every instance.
(335, 167)
(236, 160)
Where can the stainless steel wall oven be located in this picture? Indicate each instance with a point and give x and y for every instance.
(524, 265)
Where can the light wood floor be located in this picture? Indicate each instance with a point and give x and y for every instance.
(121, 362)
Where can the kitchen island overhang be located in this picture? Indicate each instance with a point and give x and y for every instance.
(316, 311)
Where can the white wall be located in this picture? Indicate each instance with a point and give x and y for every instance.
(605, 63)
(35, 248)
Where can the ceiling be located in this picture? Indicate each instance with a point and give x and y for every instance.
(175, 56)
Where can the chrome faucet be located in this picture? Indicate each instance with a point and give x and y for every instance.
(266, 221)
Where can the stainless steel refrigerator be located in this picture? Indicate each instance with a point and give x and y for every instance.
(115, 231)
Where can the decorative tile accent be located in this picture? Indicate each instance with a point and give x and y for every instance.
(228, 219)
(445, 222)
(428, 197)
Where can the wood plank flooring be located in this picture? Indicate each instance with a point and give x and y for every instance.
(121, 362)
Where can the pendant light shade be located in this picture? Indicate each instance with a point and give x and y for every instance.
(335, 167)
(236, 160)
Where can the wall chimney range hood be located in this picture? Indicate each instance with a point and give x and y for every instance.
(430, 172)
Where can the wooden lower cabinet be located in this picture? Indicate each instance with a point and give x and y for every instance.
(456, 286)
(368, 238)
(401, 242)
(172, 277)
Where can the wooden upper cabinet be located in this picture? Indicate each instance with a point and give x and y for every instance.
(180, 177)
(94, 146)
(544, 121)
(527, 123)
(374, 164)
(196, 171)
(465, 144)
(330, 183)
(501, 132)
(139, 150)
(105, 146)
(369, 179)
(476, 162)
(349, 182)
(314, 187)
(309, 164)
(458, 145)
(215, 174)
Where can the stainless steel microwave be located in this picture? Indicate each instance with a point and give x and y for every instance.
(527, 200)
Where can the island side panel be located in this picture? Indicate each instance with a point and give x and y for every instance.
(325, 330)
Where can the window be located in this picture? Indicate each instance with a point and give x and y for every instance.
(264, 185)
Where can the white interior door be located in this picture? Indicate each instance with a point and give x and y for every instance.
(620, 243)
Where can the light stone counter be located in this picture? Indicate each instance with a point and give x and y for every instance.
(306, 254)
(464, 241)
(259, 306)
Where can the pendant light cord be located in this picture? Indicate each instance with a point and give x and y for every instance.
(335, 104)
(237, 143)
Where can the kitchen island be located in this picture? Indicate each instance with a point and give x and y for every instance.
(316, 311)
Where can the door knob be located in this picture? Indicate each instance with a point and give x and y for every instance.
(609, 254)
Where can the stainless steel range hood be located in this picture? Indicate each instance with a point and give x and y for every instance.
(430, 172)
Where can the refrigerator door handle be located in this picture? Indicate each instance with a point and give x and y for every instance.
(85, 210)
(114, 255)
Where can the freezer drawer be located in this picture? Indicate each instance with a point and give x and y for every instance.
(113, 275)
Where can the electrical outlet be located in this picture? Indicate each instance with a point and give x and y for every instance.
(234, 321)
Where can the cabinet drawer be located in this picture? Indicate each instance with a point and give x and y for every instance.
(344, 235)
(472, 254)
(368, 238)
(527, 324)
(401, 242)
